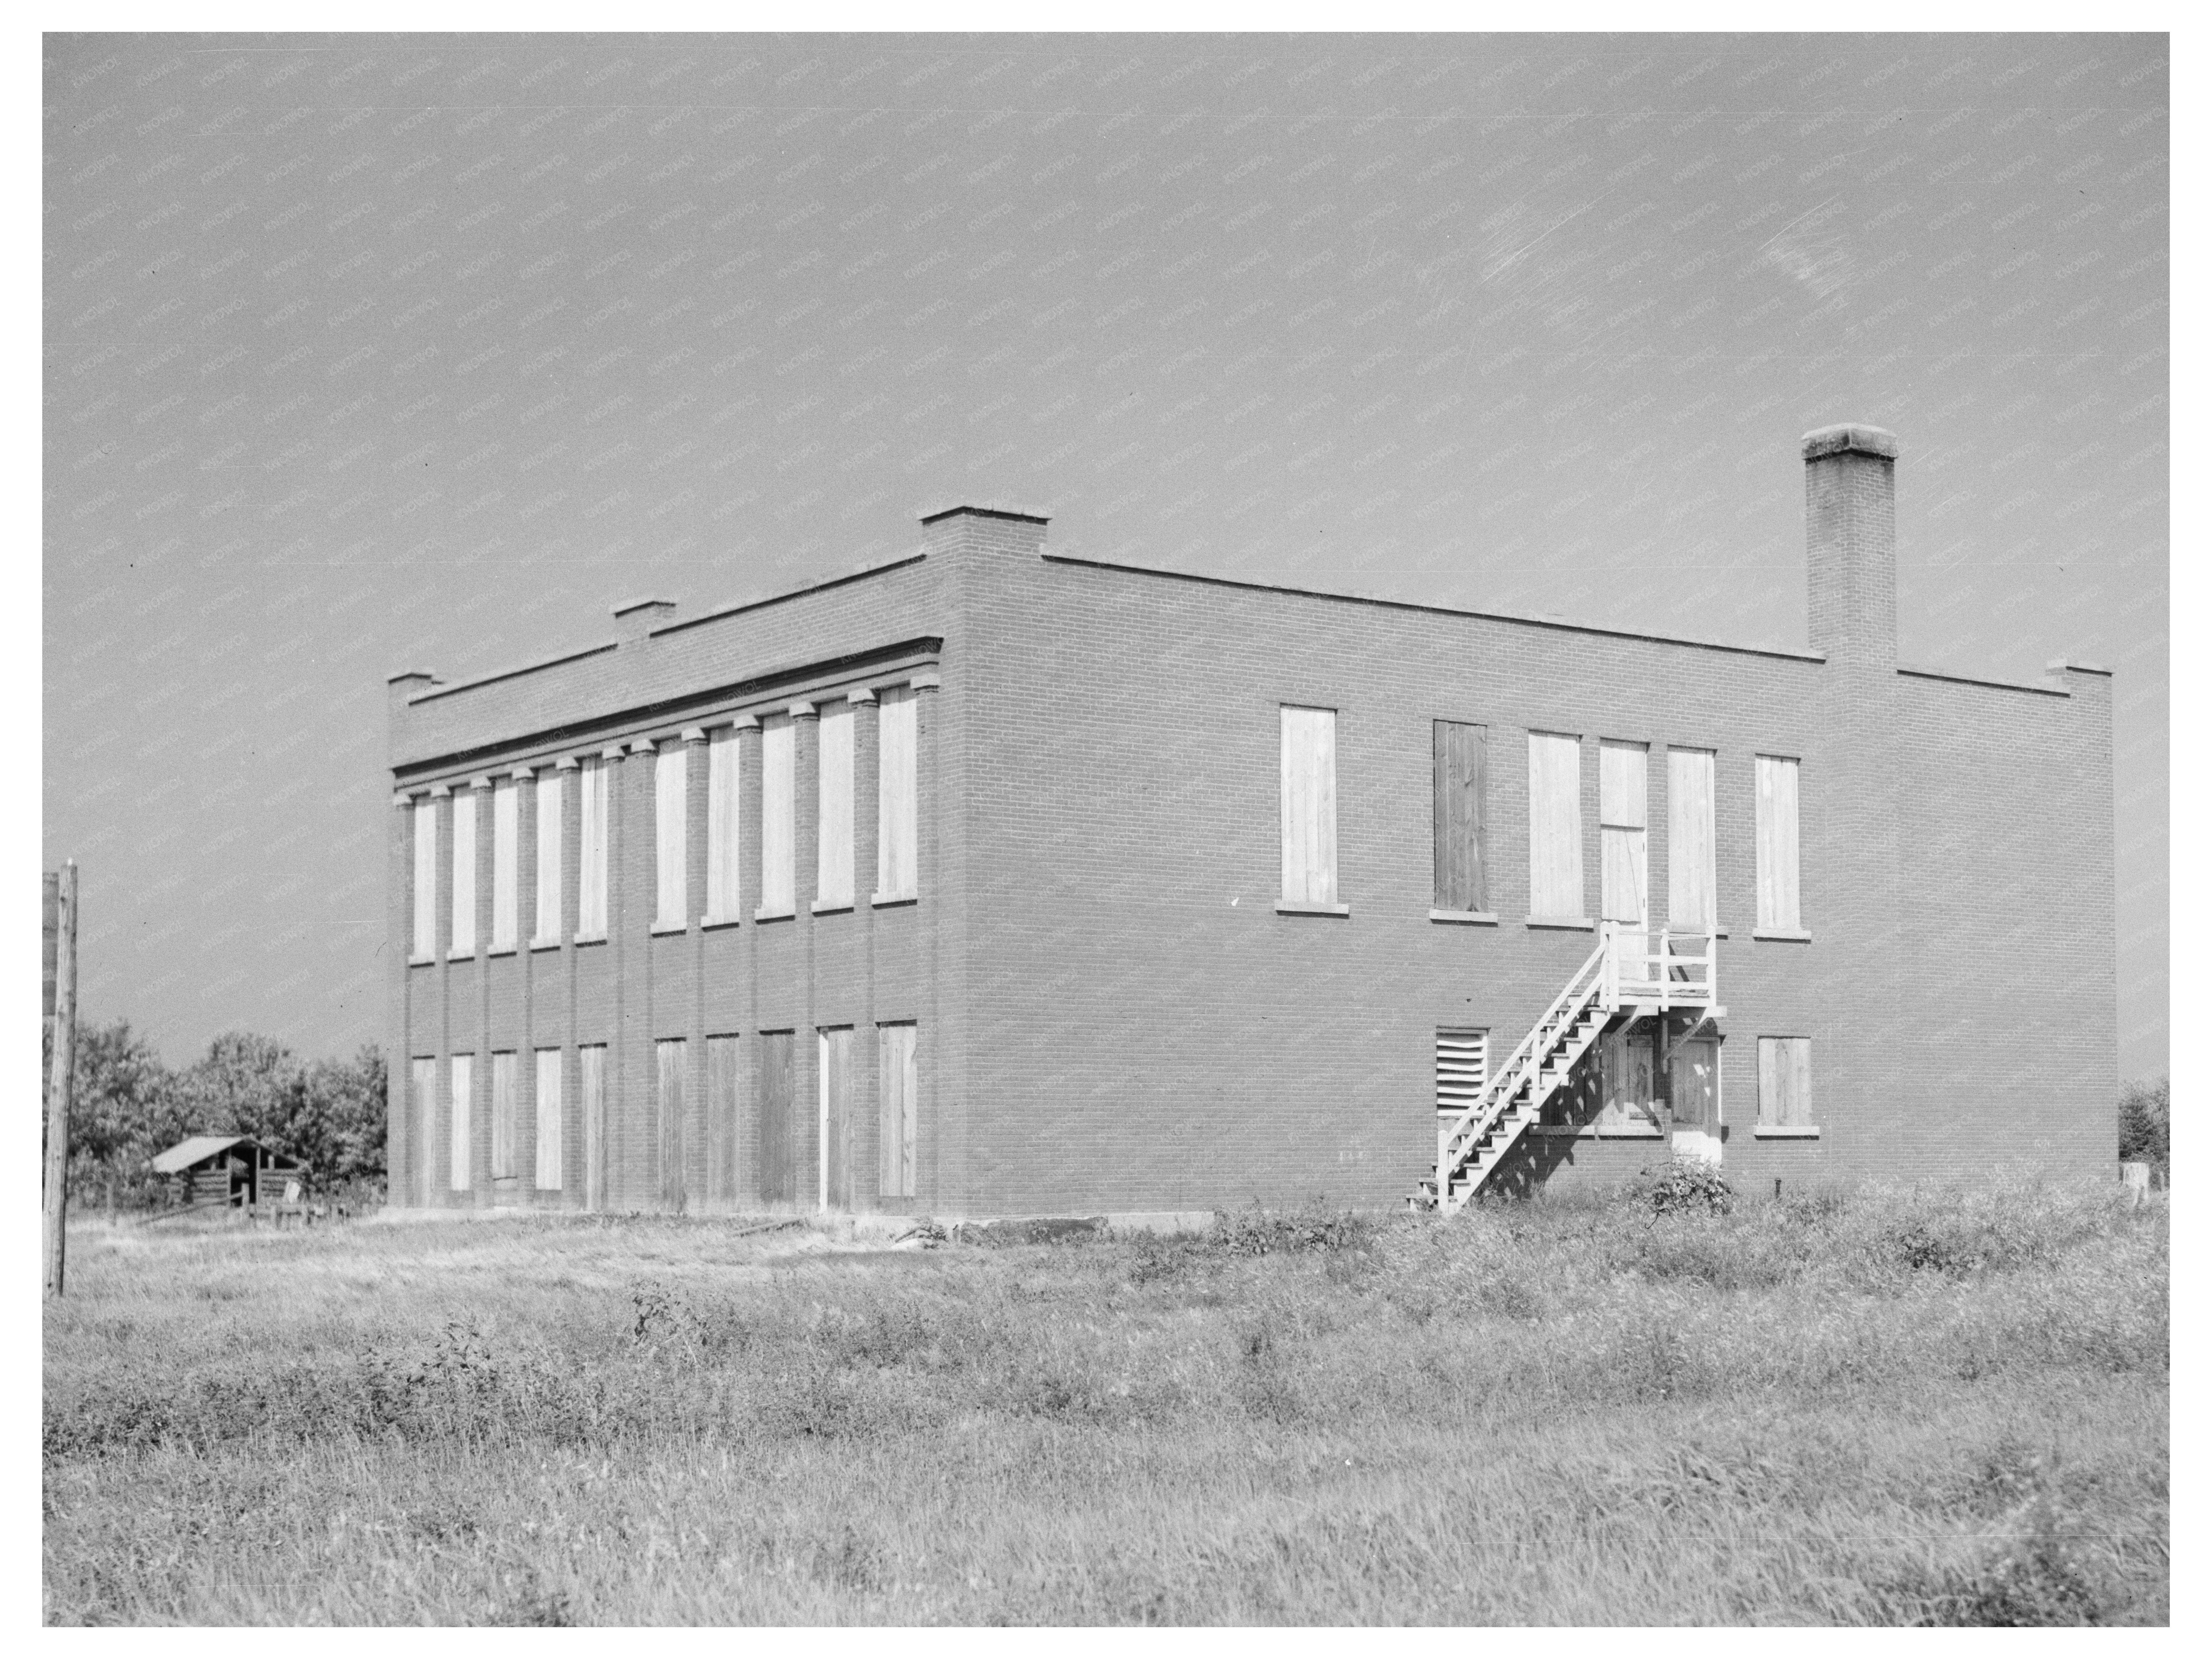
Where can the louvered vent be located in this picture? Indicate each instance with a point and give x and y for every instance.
(1462, 1067)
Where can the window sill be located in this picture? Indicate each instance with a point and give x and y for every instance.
(1300, 907)
(664, 929)
(591, 939)
(1794, 935)
(546, 944)
(1598, 1131)
(500, 951)
(772, 915)
(886, 901)
(1479, 918)
(711, 923)
(831, 908)
(460, 956)
(423, 962)
(1785, 1132)
(1580, 924)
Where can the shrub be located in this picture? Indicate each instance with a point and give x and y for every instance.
(1683, 1186)
(1261, 1231)
(2034, 1581)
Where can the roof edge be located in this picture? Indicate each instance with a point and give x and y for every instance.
(1782, 651)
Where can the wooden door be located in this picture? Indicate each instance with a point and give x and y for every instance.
(671, 1060)
(833, 1132)
(1695, 1078)
(779, 1174)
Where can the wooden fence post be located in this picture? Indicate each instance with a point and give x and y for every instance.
(63, 1076)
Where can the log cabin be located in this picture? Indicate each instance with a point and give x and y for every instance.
(234, 1169)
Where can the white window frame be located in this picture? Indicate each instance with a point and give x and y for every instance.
(551, 801)
(1778, 792)
(546, 1099)
(898, 795)
(725, 825)
(833, 818)
(778, 817)
(1555, 821)
(505, 1110)
(1785, 1107)
(593, 790)
(464, 937)
(898, 1043)
(460, 1079)
(672, 803)
(425, 821)
(506, 862)
(1693, 889)
(1308, 768)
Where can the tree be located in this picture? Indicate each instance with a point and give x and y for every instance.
(329, 1114)
(2145, 1124)
(123, 1109)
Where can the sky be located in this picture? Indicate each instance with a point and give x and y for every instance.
(371, 353)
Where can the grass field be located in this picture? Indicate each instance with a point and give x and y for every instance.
(1882, 1407)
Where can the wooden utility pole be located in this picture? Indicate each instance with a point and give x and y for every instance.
(61, 988)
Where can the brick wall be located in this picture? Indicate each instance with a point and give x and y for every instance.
(1114, 1015)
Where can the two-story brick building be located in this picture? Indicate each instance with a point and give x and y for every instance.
(990, 881)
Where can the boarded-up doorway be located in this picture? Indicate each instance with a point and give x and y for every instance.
(1696, 1076)
(782, 1143)
(835, 1128)
(671, 1097)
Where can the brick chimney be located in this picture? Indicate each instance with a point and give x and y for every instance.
(985, 529)
(1850, 543)
(635, 618)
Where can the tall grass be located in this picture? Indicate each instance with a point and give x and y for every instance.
(1874, 1407)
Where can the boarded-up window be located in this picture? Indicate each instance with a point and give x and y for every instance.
(426, 879)
(898, 1088)
(724, 837)
(834, 1056)
(1629, 1081)
(721, 1118)
(1462, 1067)
(1777, 844)
(424, 1081)
(833, 838)
(548, 1106)
(591, 1102)
(1309, 805)
(670, 802)
(778, 1143)
(506, 865)
(778, 827)
(1463, 833)
(1690, 886)
(1785, 1082)
(592, 852)
(548, 922)
(502, 1117)
(897, 795)
(464, 874)
(1623, 790)
(669, 1095)
(1555, 827)
(458, 1177)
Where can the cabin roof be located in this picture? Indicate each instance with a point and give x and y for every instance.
(197, 1149)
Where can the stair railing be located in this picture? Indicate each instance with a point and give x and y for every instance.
(1523, 1065)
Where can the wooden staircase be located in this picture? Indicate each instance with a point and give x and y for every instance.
(1631, 975)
